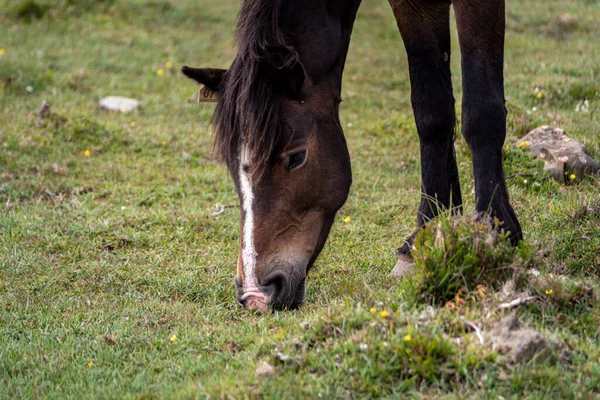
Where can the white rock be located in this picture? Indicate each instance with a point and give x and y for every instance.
(264, 369)
(283, 357)
(119, 104)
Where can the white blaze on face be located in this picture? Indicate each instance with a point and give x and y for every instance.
(248, 251)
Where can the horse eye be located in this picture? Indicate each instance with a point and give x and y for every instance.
(296, 160)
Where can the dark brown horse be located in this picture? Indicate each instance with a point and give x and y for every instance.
(278, 130)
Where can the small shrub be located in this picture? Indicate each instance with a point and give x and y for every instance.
(29, 10)
(456, 254)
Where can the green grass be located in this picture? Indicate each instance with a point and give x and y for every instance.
(104, 258)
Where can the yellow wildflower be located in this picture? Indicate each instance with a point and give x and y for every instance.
(572, 176)
(384, 314)
(160, 72)
(87, 153)
(549, 291)
(347, 219)
(169, 64)
(539, 95)
(524, 144)
(407, 338)
(1, 52)
(164, 142)
(91, 364)
(174, 338)
(373, 310)
(507, 147)
(280, 334)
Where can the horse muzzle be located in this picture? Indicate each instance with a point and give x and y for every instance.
(278, 290)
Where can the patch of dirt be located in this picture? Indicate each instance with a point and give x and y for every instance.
(516, 340)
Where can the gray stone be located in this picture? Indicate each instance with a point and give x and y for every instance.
(561, 154)
(515, 339)
(119, 104)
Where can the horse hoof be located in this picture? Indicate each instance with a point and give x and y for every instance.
(403, 267)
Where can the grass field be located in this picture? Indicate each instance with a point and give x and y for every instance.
(116, 281)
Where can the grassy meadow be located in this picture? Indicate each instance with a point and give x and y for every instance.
(116, 281)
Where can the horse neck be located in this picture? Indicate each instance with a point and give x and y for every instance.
(320, 32)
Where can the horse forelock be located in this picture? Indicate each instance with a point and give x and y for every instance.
(248, 111)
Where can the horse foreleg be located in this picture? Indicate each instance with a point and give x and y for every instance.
(425, 30)
(481, 34)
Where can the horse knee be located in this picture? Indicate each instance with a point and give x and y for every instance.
(484, 124)
(435, 119)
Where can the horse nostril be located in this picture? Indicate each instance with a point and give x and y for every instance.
(275, 285)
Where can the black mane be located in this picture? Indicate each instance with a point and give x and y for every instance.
(248, 108)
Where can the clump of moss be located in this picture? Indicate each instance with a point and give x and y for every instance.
(454, 254)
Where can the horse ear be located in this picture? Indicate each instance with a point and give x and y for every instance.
(209, 77)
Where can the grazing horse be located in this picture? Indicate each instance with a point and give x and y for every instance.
(278, 130)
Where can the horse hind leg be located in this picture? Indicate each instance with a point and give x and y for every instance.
(425, 30)
(481, 34)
